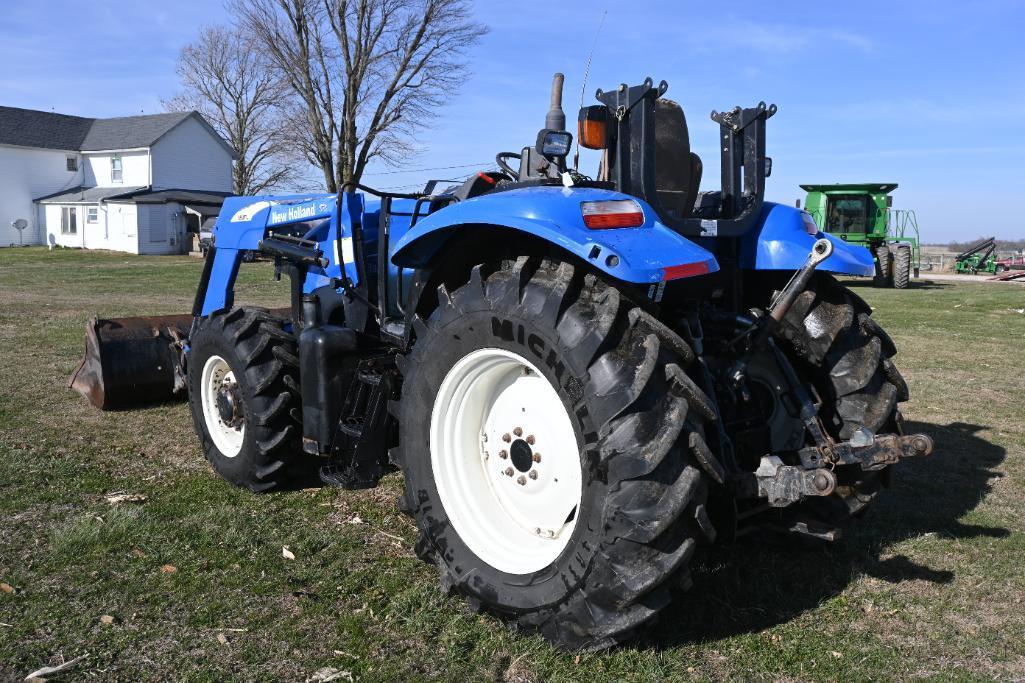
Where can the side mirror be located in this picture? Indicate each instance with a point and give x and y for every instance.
(554, 143)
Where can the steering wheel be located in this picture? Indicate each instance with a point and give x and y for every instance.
(500, 160)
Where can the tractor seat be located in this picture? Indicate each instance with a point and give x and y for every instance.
(677, 169)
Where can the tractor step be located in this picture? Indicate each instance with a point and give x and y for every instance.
(371, 376)
(360, 449)
(351, 426)
(341, 475)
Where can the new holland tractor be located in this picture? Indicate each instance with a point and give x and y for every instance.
(582, 380)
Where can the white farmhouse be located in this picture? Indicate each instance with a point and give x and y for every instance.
(138, 184)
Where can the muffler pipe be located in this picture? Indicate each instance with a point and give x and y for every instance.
(556, 118)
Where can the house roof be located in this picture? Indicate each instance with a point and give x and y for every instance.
(88, 195)
(184, 196)
(135, 195)
(127, 132)
(31, 128)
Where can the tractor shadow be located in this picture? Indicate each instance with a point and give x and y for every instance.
(752, 585)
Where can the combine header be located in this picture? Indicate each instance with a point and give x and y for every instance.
(582, 379)
(978, 259)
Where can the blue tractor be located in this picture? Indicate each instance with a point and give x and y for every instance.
(582, 380)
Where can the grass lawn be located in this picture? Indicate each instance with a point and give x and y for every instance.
(931, 584)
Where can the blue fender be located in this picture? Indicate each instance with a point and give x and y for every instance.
(649, 253)
(780, 241)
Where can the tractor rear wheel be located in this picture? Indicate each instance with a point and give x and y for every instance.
(550, 441)
(884, 266)
(242, 370)
(902, 266)
(848, 357)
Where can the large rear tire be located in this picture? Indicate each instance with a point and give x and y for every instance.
(242, 370)
(550, 442)
(902, 266)
(884, 266)
(848, 357)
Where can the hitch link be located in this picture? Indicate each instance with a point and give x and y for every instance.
(877, 453)
(820, 251)
(785, 484)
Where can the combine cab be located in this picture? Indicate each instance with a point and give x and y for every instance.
(862, 214)
(582, 379)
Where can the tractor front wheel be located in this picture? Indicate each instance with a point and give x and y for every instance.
(550, 442)
(242, 370)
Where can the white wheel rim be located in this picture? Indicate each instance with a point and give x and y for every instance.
(518, 523)
(216, 375)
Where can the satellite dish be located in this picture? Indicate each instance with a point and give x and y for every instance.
(19, 224)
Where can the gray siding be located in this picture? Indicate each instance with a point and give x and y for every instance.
(189, 157)
(158, 229)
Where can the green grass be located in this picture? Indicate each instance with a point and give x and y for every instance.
(929, 585)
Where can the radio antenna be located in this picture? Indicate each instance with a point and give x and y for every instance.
(583, 86)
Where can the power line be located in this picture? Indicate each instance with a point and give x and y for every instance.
(436, 168)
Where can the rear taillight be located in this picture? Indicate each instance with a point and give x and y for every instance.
(684, 270)
(616, 213)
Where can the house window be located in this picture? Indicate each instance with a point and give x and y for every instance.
(115, 168)
(69, 220)
(72, 164)
(92, 214)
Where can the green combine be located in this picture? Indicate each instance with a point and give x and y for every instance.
(862, 213)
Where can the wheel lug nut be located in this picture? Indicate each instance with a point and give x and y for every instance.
(506, 438)
(532, 474)
(518, 431)
(503, 454)
(521, 480)
(508, 471)
(536, 457)
(530, 439)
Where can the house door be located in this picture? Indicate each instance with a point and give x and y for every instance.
(191, 232)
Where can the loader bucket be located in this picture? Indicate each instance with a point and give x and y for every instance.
(132, 361)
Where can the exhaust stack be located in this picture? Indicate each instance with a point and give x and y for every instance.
(556, 118)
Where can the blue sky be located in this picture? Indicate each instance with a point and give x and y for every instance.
(929, 95)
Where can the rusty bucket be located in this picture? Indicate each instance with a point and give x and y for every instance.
(132, 361)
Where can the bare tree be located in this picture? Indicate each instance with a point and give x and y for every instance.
(368, 72)
(242, 96)
(292, 34)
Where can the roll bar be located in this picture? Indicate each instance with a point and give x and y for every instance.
(632, 153)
